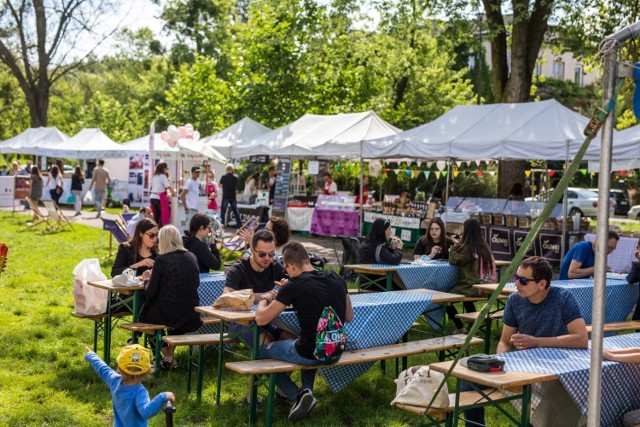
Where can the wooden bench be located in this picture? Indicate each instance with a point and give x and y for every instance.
(152, 338)
(98, 323)
(200, 340)
(487, 324)
(628, 325)
(271, 367)
(467, 398)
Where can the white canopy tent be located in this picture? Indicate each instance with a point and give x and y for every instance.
(90, 143)
(322, 136)
(536, 130)
(238, 133)
(31, 139)
(625, 151)
(184, 150)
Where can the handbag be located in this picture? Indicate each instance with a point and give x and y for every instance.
(58, 190)
(88, 299)
(126, 279)
(417, 385)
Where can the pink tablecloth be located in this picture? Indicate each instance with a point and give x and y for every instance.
(335, 223)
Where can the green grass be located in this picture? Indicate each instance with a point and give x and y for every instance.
(45, 380)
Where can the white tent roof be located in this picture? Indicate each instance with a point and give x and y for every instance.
(333, 136)
(241, 132)
(185, 149)
(535, 130)
(625, 151)
(90, 143)
(28, 141)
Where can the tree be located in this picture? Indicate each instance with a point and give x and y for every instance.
(39, 41)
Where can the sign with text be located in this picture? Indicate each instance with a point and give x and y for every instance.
(500, 242)
(261, 159)
(282, 186)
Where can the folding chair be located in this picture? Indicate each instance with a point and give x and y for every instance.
(58, 220)
(38, 216)
(116, 229)
(236, 242)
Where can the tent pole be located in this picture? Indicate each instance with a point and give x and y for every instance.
(447, 181)
(565, 205)
(602, 229)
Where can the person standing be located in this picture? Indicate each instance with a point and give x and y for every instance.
(36, 185)
(26, 170)
(212, 191)
(158, 198)
(229, 183)
(99, 181)
(273, 173)
(365, 190)
(55, 183)
(15, 169)
(309, 292)
(77, 179)
(330, 187)
(190, 193)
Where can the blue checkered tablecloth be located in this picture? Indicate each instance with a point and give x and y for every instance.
(435, 275)
(211, 285)
(620, 385)
(620, 297)
(379, 319)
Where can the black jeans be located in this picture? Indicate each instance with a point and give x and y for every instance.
(469, 307)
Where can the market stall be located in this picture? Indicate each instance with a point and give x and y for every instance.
(408, 221)
(335, 216)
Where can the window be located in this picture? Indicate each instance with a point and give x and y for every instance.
(558, 70)
(577, 79)
(537, 71)
(471, 63)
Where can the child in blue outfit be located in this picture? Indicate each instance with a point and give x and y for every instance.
(131, 404)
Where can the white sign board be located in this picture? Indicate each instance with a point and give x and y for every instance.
(314, 167)
(6, 190)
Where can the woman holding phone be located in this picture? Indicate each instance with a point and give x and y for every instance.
(379, 247)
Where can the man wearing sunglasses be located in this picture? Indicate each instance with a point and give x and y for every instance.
(580, 260)
(539, 315)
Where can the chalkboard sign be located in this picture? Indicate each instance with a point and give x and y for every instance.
(282, 187)
(261, 159)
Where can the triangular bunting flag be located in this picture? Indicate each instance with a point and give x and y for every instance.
(444, 173)
(527, 173)
(438, 174)
(397, 171)
(414, 174)
(426, 174)
(479, 172)
(419, 164)
(408, 172)
(583, 171)
(458, 163)
(468, 162)
(492, 173)
(456, 173)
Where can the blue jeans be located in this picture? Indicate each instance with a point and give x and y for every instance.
(286, 350)
(190, 215)
(98, 197)
(234, 208)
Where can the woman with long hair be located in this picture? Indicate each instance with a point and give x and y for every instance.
(140, 252)
(212, 191)
(54, 180)
(379, 247)
(435, 244)
(36, 185)
(159, 200)
(474, 259)
(252, 184)
(77, 179)
(208, 256)
(172, 292)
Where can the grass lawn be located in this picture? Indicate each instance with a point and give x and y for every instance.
(45, 380)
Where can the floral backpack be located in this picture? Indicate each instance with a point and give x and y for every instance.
(331, 336)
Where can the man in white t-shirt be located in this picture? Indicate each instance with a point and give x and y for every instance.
(190, 193)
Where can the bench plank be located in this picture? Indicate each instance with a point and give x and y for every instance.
(194, 339)
(618, 326)
(146, 328)
(472, 317)
(393, 351)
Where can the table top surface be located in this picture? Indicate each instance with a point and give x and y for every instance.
(108, 285)
(382, 269)
(440, 297)
(502, 264)
(242, 317)
(501, 380)
(491, 288)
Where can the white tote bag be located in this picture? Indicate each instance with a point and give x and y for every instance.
(417, 385)
(89, 300)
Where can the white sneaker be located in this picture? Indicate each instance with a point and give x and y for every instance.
(304, 404)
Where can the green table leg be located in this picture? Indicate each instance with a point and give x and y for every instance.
(136, 305)
(526, 405)
(107, 332)
(487, 334)
(200, 373)
(255, 353)
(456, 409)
(189, 370)
(220, 350)
(271, 400)
(390, 281)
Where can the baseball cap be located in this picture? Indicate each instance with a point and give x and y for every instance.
(195, 169)
(134, 360)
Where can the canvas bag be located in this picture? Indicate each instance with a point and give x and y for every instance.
(417, 385)
(89, 300)
(236, 300)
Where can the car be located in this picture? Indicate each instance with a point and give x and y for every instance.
(579, 200)
(68, 169)
(620, 200)
(634, 212)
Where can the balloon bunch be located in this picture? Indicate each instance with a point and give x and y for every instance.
(173, 134)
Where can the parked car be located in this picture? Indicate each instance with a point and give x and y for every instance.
(619, 199)
(634, 212)
(579, 200)
(68, 169)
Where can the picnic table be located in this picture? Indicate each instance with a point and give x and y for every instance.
(620, 296)
(435, 275)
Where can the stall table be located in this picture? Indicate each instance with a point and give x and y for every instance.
(328, 222)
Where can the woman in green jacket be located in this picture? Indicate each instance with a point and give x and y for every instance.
(473, 257)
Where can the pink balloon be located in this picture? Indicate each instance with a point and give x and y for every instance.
(172, 143)
(182, 131)
(164, 135)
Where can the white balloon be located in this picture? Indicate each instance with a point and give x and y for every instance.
(173, 133)
(196, 135)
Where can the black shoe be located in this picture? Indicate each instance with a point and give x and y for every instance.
(303, 406)
(282, 398)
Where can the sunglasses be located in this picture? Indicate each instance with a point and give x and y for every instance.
(152, 235)
(523, 280)
(265, 254)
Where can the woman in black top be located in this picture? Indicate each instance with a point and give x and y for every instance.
(140, 252)
(172, 292)
(208, 256)
(77, 179)
(435, 243)
(378, 247)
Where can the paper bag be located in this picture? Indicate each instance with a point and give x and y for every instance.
(236, 300)
(417, 385)
(88, 299)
